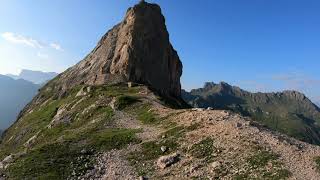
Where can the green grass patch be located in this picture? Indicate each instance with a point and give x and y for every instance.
(261, 159)
(145, 115)
(125, 101)
(244, 176)
(259, 167)
(56, 150)
(116, 90)
(113, 139)
(143, 159)
(100, 113)
(277, 174)
(65, 160)
(80, 128)
(175, 132)
(317, 161)
(52, 161)
(193, 127)
(27, 127)
(152, 150)
(204, 149)
(179, 131)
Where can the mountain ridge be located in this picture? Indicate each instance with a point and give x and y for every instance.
(14, 95)
(37, 77)
(278, 110)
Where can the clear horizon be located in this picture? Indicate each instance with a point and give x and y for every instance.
(262, 46)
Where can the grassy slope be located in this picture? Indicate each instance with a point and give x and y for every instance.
(64, 147)
(69, 150)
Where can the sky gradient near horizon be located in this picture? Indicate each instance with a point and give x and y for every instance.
(258, 45)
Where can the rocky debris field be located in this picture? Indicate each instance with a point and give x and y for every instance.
(213, 144)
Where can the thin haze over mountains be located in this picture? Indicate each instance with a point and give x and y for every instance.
(37, 77)
(18, 90)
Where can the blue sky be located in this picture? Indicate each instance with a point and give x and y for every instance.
(259, 45)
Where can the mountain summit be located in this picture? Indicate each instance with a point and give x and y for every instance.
(136, 50)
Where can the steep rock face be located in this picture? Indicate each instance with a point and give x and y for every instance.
(137, 50)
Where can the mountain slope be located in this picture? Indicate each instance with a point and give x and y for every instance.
(14, 95)
(289, 112)
(37, 77)
(109, 117)
(117, 132)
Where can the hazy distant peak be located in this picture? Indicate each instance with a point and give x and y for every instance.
(26, 71)
(37, 77)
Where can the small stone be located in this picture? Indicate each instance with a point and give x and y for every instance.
(163, 148)
(8, 159)
(238, 125)
(209, 108)
(166, 161)
(216, 165)
(197, 109)
(83, 151)
(82, 92)
(89, 89)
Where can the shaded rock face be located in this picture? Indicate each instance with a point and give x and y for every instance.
(137, 50)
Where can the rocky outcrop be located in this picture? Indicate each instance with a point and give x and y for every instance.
(136, 50)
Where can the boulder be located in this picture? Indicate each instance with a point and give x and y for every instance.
(166, 161)
(61, 117)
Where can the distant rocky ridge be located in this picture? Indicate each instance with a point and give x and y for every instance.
(290, 112)
(37, 77)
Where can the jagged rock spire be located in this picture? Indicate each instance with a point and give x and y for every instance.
(137, 50)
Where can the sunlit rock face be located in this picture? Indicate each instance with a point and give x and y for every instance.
(137, 50)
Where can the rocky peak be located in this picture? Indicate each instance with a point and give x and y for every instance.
(136, 50)
(294, 95)
(222, 87)
(209, 85)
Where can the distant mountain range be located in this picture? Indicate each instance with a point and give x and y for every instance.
(14, 95)
(289, 112)
(37, 77)
(17, 91)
